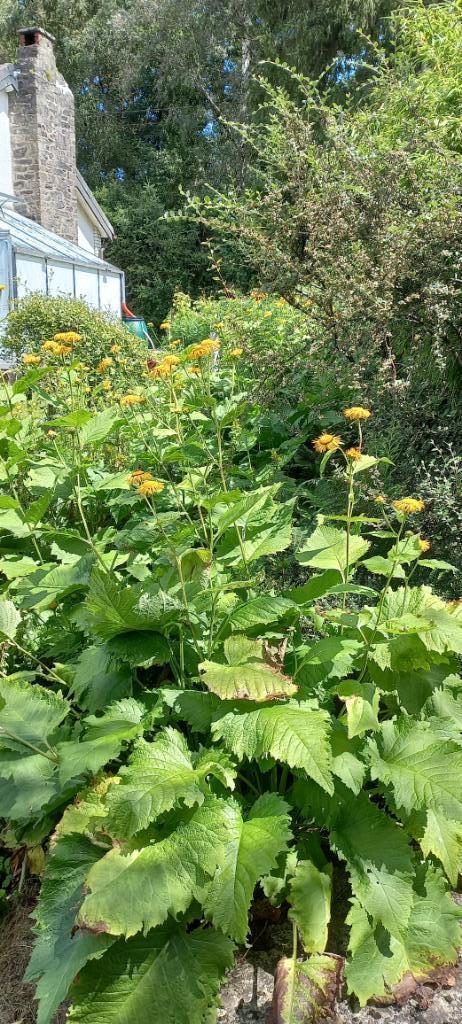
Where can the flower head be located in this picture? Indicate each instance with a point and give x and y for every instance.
(107, 384)
(104, 365)
(204, 348)
(357, 412)
(67, 337)
(150, 487)
(128, 400)
(220, 325)
(52, 433)
(327, 443)
(139, 477)
(174, 343)
(55, 348)
(165, 325)
(409, 505)
(424, 545)
(354, 453)
(115, 348)
(29, 359)
(379, 499)
(236, 352)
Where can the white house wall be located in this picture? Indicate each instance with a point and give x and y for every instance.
(110, 297)
(31, 275)
(6, 166)
(85, 230)
(60, 279)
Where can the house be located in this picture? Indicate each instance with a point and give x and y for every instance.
(52, 229)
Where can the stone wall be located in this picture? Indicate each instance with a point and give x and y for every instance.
(43, 137)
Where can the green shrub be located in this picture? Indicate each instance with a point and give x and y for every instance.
(38, 318)
(186, 733)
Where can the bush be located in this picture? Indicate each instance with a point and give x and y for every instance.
(186, 732)
(38, 318)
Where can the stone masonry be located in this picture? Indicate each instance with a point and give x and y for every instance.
(42, 128)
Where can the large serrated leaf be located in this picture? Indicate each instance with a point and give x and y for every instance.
(9, 620)
(131, 891)
(168, 976)
(326, 548)
(297, 734)
(309, 897)
(254, 845)
(59, 954)
(158, 776)
(102, 739)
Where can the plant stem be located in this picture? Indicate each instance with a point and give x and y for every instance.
(31, 746)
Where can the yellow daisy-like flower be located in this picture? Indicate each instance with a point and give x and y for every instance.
(67, 337)
(87, 390)
(354, 453)
(205, 348)
(236, 352)
(409, 505)
(139, 477)
(107, 384)
(220, 325)
(52, 433)
(269, 312)
(128, 400)
(165, 325)
(150, 487)
(174, 343)
(380, 500)
(51, 346)
(170, 361)
(30, 360)
(115, 348)
(258, 296)
(162, 370)
(424, 545)
(104, 364)
(327, 443)
(357, 412)
(194, 370)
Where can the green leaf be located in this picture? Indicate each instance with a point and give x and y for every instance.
(384, 567)
(138, 889)
(261, 611)
(296, 734)
(310, 896)
(443, 838)
(9, 619)
(196, 707)
(326, 548)
(102, 740)
(99, 427)
(111, 609)
(59, 954)
(29, 712)
(423, 769)
(437, 563)
(98, 679)
(168, 975)
(160, 775)
(315, 587)
(268, 537)
(378, 859)
(378, 961)
(143, 648)
(254, 845)
(305, 990)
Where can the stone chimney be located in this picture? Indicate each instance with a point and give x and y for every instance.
(42, 128)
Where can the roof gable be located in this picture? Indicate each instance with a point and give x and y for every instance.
(92, 207)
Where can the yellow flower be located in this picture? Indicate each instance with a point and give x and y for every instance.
(268, 313)
(327, 443)
(107, 384)
(115, 348)
(170, 361)
(424, 545)
(195, 370)
(52, 433)
(30, 360)
(150, 487)
(87, 390)
(356, 412)
(353, 453)
(220, 325)
(258, 296)
(380, 500)
(139, 476)
(236, 352)
(128, 400)
(174, 343)
(165, 325)
(104, 365)
(409, 505)
(51, 346)
(67, 337)
(205, 348)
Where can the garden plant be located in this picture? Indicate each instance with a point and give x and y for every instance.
(175, 730)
